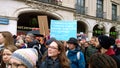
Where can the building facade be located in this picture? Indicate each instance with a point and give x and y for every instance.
(94, 17)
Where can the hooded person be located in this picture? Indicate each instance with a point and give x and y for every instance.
(25, 58)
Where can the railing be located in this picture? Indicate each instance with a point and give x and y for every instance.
(56, 2)
(118, 18)
(81, 10)
(99, 14)
(114, 17)
(104, 15)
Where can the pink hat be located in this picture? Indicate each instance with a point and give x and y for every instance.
(117, 41)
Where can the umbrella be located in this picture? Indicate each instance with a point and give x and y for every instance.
(35, 32)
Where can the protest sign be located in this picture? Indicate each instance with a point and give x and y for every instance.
(62, 29)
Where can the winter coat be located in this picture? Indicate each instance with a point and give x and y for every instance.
(43, 49)
(117, 59)
(89, 52)
(117, 50)
(76, 62)
(2, 64)
(1, 48)
(111, 53)
(50, 63)
(31, 44)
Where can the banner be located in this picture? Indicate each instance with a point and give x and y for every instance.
(63, 30)
(43, 25)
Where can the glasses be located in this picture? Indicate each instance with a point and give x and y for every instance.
(52, 47)
(14, 65)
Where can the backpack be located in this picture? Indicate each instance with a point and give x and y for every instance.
(39, 55)
(78, 54)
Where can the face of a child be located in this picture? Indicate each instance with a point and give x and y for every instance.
(6, 55)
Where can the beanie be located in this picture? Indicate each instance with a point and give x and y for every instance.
(28, 56)
(106, 41)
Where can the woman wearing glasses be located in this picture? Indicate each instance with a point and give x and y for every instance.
(55, 57)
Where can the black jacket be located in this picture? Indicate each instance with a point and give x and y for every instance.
(117, 59)
(49, 63)
(31, 44)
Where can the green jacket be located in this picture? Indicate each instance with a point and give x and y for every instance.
(90, 50)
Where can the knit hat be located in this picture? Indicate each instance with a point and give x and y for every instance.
(106, 41)
(73, 41)
(28, 56)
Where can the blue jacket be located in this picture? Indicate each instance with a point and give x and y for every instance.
(74, 61)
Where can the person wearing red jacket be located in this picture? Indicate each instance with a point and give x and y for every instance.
(105, 43)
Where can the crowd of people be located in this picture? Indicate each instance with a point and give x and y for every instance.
(31, 51)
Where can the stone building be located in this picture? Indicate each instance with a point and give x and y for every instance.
(94, 17)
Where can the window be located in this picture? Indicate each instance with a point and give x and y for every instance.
(99, 12)
(80, 6)
(114, 12)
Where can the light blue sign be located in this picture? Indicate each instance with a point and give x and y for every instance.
(63, 30)
(4, 21)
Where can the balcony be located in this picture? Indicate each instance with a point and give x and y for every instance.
(118, 18)
(56, 2)
(48, 5)
(114, 17)
(99, 14)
